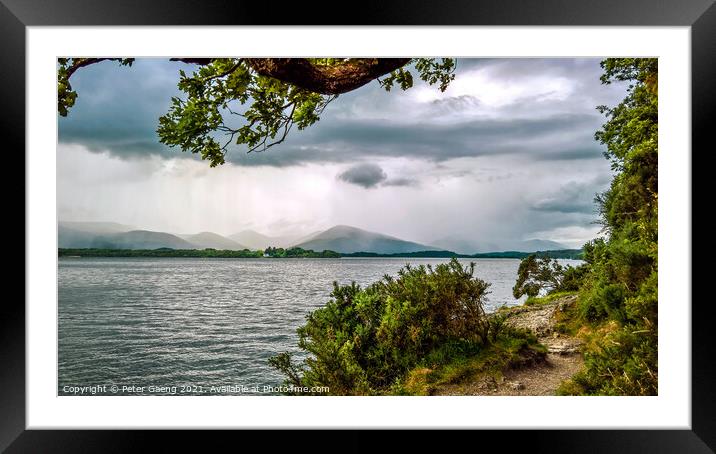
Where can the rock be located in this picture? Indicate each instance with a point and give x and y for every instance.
(488, 384)
(563, 346)
(537, 319)
(567, 301)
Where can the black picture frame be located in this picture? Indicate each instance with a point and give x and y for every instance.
(16, 15)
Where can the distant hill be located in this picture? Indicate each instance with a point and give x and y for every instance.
(140, 239)
(463, 246)
(213, 240)
(341, 238)
(560, 254)
(83, 234)
(536, 245)
(300, 253)
(252, 239)
(346, 240)
(111, 235)
(256, 240)
(305, 238)
(575, 254)
(72, 238)
(96, 227)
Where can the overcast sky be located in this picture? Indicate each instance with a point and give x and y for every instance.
(506, 153)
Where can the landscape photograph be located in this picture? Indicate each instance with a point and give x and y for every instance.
(357, 226)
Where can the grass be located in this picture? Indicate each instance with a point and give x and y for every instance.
(591, 333)
(512, 349)
(539, 300)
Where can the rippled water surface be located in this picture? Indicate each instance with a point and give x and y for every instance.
(198, 323)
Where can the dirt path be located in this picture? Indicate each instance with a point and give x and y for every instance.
(564, 358)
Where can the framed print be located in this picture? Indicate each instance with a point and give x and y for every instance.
(415, 218)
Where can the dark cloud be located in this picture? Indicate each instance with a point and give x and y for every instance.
(559, 137)
(573, 197)
(365, 175)
(402, 181)
(571, 154)
(369, 175)
(118, 110)
(531, 128)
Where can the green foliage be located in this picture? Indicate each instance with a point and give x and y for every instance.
(631, 137)
(228, 102)
(364, 340)
(573, 278)
(566, 317)
(605, 300)
(455, 364)
(429, 70)
(624, 361)
(536, 274)
(620, 290)
(557, 294)
(299, 252)
(263, 109)
(66, 96)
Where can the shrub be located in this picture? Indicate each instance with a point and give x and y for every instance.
(573, 278)
(623, 361)
(511, 348)
(537, 274)
(621, 288)
(363, 340)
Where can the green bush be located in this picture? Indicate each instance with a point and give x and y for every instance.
(624, 360)
(536, 274)
(452, 364)
(602, 301)
(541, 273)
(573, 278)
(620, 292)
(363, 340)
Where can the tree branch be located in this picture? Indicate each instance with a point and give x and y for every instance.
(78, 63)
(193, 61)
(326, 79)
(301, 72)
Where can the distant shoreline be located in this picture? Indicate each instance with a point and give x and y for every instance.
(302, 253)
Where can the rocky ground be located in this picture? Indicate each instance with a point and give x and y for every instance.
(564, 357)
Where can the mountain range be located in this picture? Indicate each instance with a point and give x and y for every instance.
(256, 240)
(346, 239)
(463, 246)
(341, 238)
(213, 240)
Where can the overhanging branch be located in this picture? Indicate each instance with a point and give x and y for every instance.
(326, 79)
(300, 72)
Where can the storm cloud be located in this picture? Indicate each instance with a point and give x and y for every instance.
(507, 152)
(548, 125)
(365, 175)
(573, 197)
